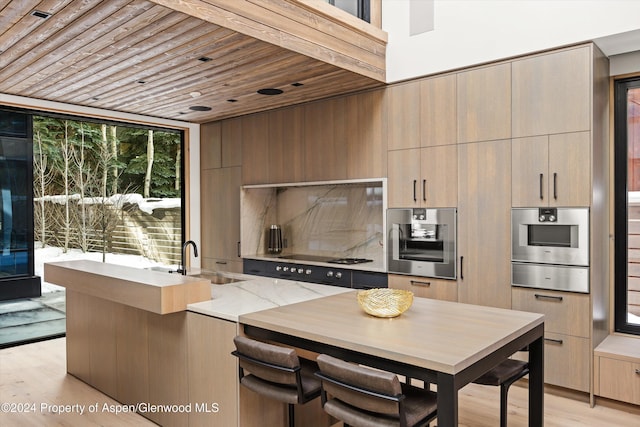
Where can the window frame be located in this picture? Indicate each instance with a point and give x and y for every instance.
(94, 119)
(621, 88)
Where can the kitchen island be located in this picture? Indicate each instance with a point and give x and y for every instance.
(161, 343)
(121, 341)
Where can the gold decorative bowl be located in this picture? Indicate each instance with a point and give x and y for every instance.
(385, 302)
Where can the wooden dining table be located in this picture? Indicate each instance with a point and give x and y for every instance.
(439, 342)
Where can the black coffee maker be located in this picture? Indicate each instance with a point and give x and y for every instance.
(275, 239)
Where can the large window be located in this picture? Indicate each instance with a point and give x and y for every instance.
(108, 188)
(627, 205)
(99, 190)
(358, 8)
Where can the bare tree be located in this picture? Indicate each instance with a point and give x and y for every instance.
(177, 182)
(81, 179)
(66, 156)
(43, 176)
(115, 174)
(147, 177)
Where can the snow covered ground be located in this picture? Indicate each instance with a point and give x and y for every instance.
(52, 254)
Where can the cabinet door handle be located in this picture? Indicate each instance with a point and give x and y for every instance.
(555, 186)
(551, 297)
(461, 269)
(637, 371)
(239, 250)
(221, 262)
(541, 185)
(419, 283)
(424, 190)
(414, 190)
(553, 341)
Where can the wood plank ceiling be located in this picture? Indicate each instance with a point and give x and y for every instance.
(142, 57)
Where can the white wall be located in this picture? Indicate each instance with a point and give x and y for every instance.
(194, 145)
(625, 63)
(469, 32)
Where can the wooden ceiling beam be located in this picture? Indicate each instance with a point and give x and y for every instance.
(287, 24)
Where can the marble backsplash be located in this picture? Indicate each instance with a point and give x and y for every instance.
(333, 220)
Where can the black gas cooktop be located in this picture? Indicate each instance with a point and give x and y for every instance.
(317, 258)
(349, 261)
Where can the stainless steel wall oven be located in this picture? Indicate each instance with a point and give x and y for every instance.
(550, 248)
(422, 242)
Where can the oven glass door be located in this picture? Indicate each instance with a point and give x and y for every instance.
(422, 242)
(562, 242)
(553, 236)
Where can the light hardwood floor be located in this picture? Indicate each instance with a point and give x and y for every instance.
(36, 374)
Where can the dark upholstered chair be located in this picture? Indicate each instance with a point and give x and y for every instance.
(503, 375)
(276, 372)
(364, 397)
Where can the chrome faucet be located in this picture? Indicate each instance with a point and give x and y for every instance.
(183, 267)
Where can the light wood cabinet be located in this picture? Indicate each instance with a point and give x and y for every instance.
(286, 151)
(423, 177)
(564, 312)
(567, 333)
(366, 147)
(403, 116)
(616, 368)
(552, 92)
(484, 221)
(255, 148)
(212, 371)
(210, 145)
(484, 104)
(619, 380)
(567, 361)
(552, 170)
(438, 113)
(426, 287)
(220, 205)
(325, 140)
(231, 142)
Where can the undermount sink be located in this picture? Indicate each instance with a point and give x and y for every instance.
(216, 278)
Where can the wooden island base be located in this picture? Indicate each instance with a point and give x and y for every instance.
(172, 366)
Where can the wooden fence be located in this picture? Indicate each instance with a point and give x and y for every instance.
(129, 230)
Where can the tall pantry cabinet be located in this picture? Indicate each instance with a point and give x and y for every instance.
(484, 185)
(560, 159)
(220, 176)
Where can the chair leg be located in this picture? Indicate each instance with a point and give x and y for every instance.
(504, 390)
(292, 421)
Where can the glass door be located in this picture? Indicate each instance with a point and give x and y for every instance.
(16, 210)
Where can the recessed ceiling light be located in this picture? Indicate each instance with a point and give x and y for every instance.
(232, 100)
(205, 59)
(195, 94)
(200, 108)
(296, 84)
(141, 82)
(40, 14)
(270, 91)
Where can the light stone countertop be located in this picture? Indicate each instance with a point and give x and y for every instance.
(259, 293)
